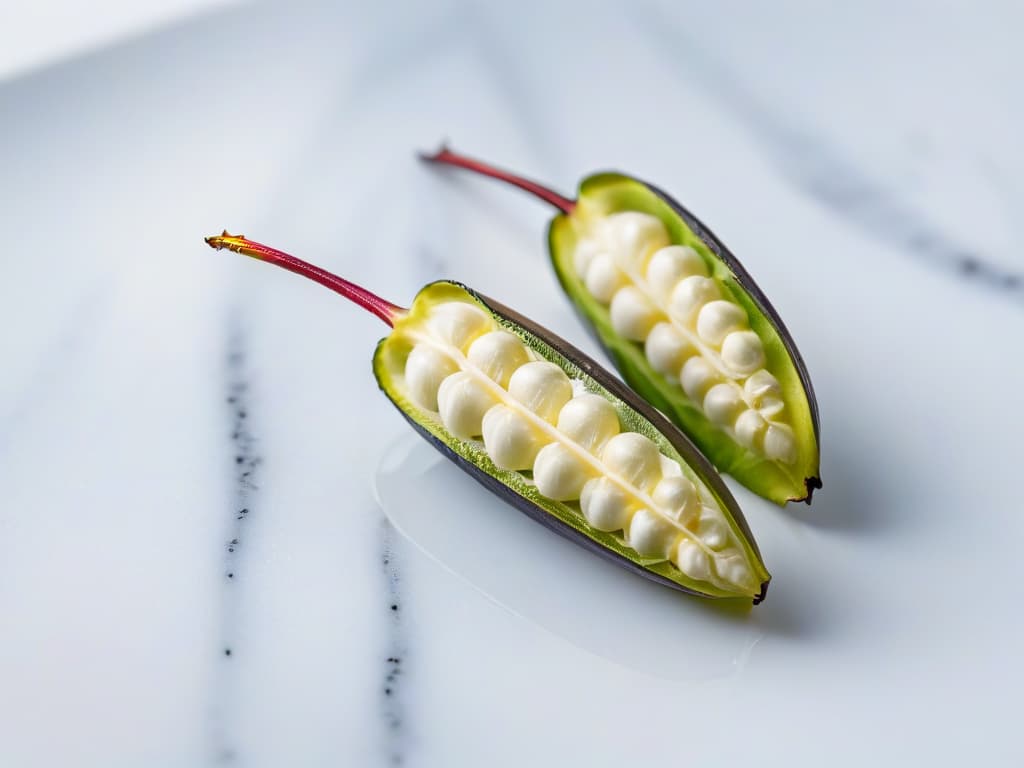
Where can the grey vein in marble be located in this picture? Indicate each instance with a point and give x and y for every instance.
(245, 461)
(396, 654)
(64, 350)
(819, 170)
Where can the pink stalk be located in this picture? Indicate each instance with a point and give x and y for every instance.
(445, 156)
(383, 309)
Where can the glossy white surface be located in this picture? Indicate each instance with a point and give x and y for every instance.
(863, 162)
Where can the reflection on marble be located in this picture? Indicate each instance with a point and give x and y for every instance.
(121, 488)
(549, 581)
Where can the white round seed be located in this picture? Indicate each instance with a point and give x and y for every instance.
(542, 387)
(690, 295)
(649, 534)
(749, 427)
(634, 458)
(762, 383)
(736, 572)
(677, 496)
(559, 473)
(742, 352)
(771, 406)
(458, 323)
(462, 402)
(603, 278)
(696, 378)
(668, 266)
(764, 392)
(633, 314)
(713, 531)
(586, 250)
(425, 369)
(692, 560)
(667, 349)
(779, 443)
(510, 440)
(498, 354)
(604, 504)
(717, 319)
(723, 402)
(632, 237)
(589, 420)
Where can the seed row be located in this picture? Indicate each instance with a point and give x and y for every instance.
(661, 295)
(484, 384)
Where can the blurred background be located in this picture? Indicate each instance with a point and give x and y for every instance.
(220, 545)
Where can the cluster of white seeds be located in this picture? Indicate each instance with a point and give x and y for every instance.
(486, 385)
(660, 295)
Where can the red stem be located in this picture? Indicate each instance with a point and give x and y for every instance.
(445, 156)
(385, 310)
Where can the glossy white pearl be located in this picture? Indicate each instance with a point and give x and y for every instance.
(586, 250)
(604, 504)
(779, 443)
(764, 392)
(737, 573)
(717, 319)
(668, 266)
(633, 315)
(749, 427)
(696, 378)
(743, 352)
(510, 440)
(692, 560)
(634, 458)
(632, 237)
(559, 473)
(666, 349)
(677, 496)
(542, 387)
(604, 278)
(690, 295)
(462, 401)
(498, 354)
(723, 402)
(649, 534)
(713, 531)
(425, 369)
(458, 323)
(589, 420)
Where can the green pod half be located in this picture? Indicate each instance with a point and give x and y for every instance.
(607, 193)
(767, 437)
(516, 487)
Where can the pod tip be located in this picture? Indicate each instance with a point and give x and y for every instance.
(438, 155)
(236, 243)
(811, 484)
(759, 597)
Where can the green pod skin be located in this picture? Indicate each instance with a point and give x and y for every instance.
(607, 194)
(391, 365)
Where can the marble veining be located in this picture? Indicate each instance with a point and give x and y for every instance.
(819, 169)
(44, 380)
(396, 662)
(192, 568)
(245, 461)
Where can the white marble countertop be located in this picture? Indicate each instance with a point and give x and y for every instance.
(194, 566)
